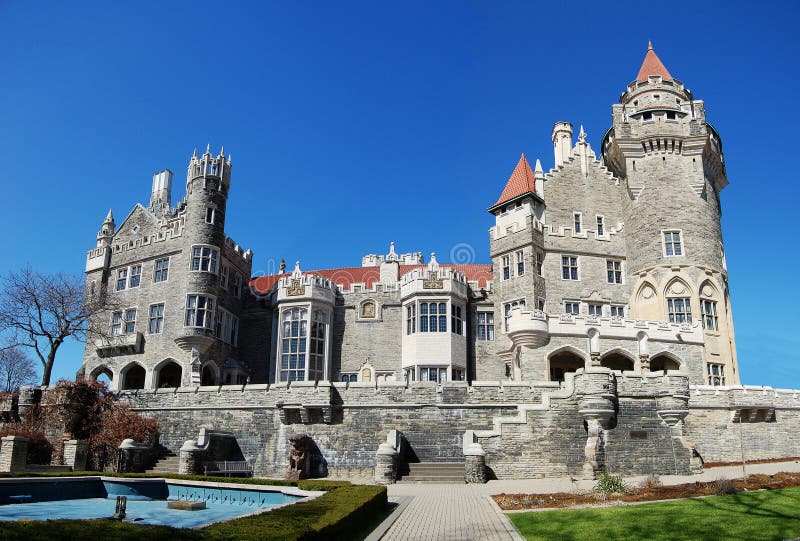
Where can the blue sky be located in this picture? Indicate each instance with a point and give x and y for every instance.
(353, 124)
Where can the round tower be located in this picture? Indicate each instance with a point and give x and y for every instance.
(671, 158)
(208, 180)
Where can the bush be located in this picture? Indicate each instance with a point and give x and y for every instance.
(611, 484)
(40, 451)
(653, 482)
(724, 486)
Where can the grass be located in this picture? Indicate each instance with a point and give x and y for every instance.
(340, 513)
(762, 515)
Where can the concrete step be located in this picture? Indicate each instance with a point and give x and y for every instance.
(449, 479)
(434, 472)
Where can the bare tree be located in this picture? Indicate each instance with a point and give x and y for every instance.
(42, 311)
(16, 369)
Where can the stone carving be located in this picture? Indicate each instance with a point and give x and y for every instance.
(295, 289)
(368, 310)
(648, 292)
(433, 281)
(299, 463)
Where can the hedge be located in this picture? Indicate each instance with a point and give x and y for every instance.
(341, 513)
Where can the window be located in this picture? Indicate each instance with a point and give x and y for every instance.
(130, 320)
(411, 319)
(520, 263)
(433, 317)
(595, 309)
(155, 325)
(458, 374)
(573, 308)
(293, 344)
(670, 115)
(210, 215)
(656, 97)
(614, 271)
(539, 262)
(716, 374)
(485, 325)
(708, 308)
(577, 220)
(679, 310)
(540, 304)
(224, 271)
(506, 267)
(647, 117)
(116, 323)
(161, 270)
(237, 285)
(228, 327)
(136, 276)
(349, 378)
(122, 279)
(199, 311)
(672, 243)
(507, 307)
(601, 226)
(432, 373)
(569, 267)
(316, 357)
(204, 258)
(617, 311)
(457, 320)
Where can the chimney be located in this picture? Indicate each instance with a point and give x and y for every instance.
(161, 195)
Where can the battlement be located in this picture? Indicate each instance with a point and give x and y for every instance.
(208, 166)
(654, 82)
(235, 252)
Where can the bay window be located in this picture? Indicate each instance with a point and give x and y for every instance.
(199, 311)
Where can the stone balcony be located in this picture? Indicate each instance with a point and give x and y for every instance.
(123, 344)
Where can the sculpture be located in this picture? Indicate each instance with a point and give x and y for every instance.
(299, 463)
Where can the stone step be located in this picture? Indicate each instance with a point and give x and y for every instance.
(449, 479)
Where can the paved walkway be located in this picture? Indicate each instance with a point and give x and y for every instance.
(448, 512)
(466, 512)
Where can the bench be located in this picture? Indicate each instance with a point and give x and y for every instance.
(228, 468)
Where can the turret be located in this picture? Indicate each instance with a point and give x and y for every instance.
(161, 193)
(562, 141)
(106, 232)
(208, 180)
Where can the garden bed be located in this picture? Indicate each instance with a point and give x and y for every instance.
(651, 491)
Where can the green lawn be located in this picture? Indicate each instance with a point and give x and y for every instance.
(764, 515)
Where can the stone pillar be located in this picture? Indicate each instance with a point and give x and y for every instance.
(190, 458)
(76, 454)
(596, 389)
(13, 453)
(134, 457)
(474, 463)
(28, 397)
(386, 464)
(594, 359)
(673, 409)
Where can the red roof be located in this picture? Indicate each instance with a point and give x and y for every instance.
(652, 65)
(521, 181)
(347, 276)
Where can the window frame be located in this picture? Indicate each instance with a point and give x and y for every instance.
(600, 222)
(704, 315)
(577, 222)
(519, 259)
(506, 263)
(619, 308)
(129, 324)
(211, 215)
(158, 319)
(594, 309)
(209, 317)
(213, 259)
(720, 375)
(571, 267)
(672, 243)
(484, 330)
(508, 306)
(674, 315)
(614, 275)
(572, 308)
(161, 275)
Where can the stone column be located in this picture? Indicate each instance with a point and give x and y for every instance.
(28, 397)
(386, 464)
(190, 458)
(474, 463)
(13, 453)
(134, 457)
(76, 454)
(596, 389)
(673, 409)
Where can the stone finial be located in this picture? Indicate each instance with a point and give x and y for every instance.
(392, 255)
(649, 45)
(194, 153)
(433, 265)
(222, 150)
(109, 217)
(582, 135)
(297, 273)
(282, 267)
(208, 149)
(538, 169)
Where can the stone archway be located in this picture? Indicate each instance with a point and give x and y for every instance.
(562, 362)
(208, 376)
(132, 377)
(664, 361)
(168, 374)
(616, 360)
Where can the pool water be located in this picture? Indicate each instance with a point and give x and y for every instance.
(147, 502)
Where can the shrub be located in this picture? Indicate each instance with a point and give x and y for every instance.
(40, 451)
(652, 482)
(611, 484)
(724, 486)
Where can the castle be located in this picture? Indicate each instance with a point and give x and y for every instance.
(606, 301)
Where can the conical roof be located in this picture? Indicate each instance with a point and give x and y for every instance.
(652, 65)
(521, 182)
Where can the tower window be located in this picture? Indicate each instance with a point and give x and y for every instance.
(122, 279)
(199, 311)
(116, 323)
(647, 117)
(204, 258)
(161, 270)
(411, 319)
(136, 276)
(577, 221)
(569, 267)
(210, 215)
(617, 311)
(520, 256)
(601, 226)
(656, 97)
(670, 115)
(672, 243)
(614, 271)
(679, 310)
(433, 317)
(716, 374)
(506, 267)
(708, 309)
(485, 325)
(457, 320)
(507, 307)
(130, 320)
(228, 327)
(224, 274)
(539, 262)
(293, 344)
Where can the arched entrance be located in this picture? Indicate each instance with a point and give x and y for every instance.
(104, 374)
(132, 377)
(208, 376)
(662, 362)
(169, 375)
(562, 362)
(616, 361)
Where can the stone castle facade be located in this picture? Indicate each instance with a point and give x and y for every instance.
(573, 351)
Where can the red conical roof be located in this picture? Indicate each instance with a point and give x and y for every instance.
(652, 65)
(521, 181)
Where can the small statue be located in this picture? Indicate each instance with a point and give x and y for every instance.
(122, 505)
(299, 465)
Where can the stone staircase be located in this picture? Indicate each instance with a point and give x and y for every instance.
(168, 463)
(434, 472)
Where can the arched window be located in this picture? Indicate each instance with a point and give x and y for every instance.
(708, 307)
(662, 362)
(104, 374)
(679, 304)
(562, 362)
(132, 377)
(169, 375)
(616, 360)
(208, 376)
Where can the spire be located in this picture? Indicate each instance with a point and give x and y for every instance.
(538, 168)
(194, 154)
(208, 149)
(652, 65)
(109, 217)
(582, 135)
(222, 151)
(521, 182)
(392, 255)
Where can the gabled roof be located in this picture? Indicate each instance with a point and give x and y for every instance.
(652, 65)
(521, 182)
(347, 276)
